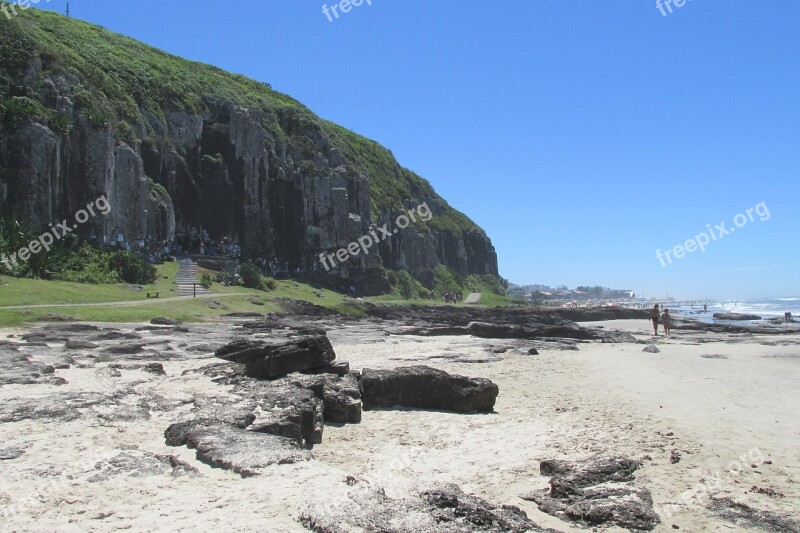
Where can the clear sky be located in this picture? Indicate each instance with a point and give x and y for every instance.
(582, 136)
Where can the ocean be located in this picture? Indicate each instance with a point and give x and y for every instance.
(765, 307)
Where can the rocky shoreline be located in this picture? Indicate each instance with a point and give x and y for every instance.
(253, 397)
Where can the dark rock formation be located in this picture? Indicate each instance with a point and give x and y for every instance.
(141, 464)
(61, 406)
(490, 323)
(290, 412)
(651, 349)
(745, 516)
(766, 329)
(735, 316)
(339, 368)
(422, 331)
(163, 329)
(569, 477)
(596, 492)
(231, 448)
(441, 509)
(270, 361)
(13, 452)
(161, 321)
(588, 314)
(423, 387)
(341, 395)
(296, 327)
(124, 349)
(236, 347)
(342, 399)
(79, 345)
(114, 335)
(21, 369)
(152, 368)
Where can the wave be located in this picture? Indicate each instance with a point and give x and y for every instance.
(766, 308)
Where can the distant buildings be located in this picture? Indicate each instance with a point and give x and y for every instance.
(539, 293)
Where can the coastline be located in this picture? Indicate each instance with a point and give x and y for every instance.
(709, 397)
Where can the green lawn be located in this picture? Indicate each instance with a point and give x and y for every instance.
(16, 292)
(21, 291)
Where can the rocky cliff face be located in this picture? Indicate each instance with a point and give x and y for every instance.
(268, 179)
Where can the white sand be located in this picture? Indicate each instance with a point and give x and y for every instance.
(605, 399)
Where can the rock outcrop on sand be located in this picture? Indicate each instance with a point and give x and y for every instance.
(495, 323)
(596, 492)
(757, 329)
(745, 516)
(125, 390)
(423, 387)
(440, 509)
(735, 316)
(270, 361)
(245, 452)
(273, 411)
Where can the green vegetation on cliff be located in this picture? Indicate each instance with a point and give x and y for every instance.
(120, 77)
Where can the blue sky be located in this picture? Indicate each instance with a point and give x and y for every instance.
(582, 136)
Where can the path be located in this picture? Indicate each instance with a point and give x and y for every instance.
(473, 298)
(186, 278)
(128, 302)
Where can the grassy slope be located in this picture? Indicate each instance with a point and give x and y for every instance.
(119, 76)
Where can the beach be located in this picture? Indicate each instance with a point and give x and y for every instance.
(711, 416)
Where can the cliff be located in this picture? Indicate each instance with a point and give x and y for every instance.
(179, 147)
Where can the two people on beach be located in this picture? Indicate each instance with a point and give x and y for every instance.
(788, 317)
(665, 319)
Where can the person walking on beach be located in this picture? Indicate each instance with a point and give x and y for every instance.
(666, 319)
(654, 315)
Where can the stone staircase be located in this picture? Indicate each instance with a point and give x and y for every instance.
(186, 279)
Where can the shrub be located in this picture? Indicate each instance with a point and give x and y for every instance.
(15, 235)
(132, 269)
(61, 123)
(206, 281)
(18, 108)
(251, 276)
(87, 264)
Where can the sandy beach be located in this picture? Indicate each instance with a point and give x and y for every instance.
(710, 416)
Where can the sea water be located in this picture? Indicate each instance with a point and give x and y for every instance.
(763, 307)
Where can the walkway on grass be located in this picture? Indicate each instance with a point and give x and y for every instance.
(186, 279)
(473, 298)
(147, 301)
